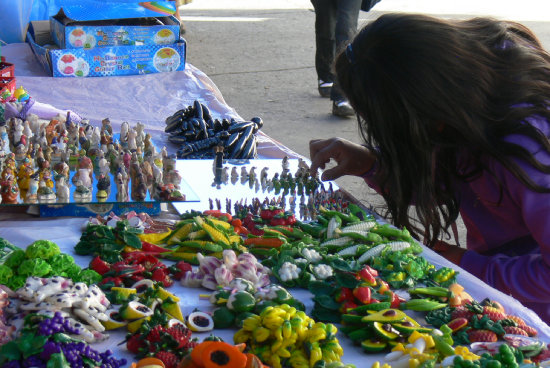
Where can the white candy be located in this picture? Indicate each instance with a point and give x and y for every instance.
(420, 344)
(394, 355)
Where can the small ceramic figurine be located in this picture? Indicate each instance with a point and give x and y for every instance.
(9, 188)
(285, 164)
(82, 140)
(45, 193)
(147, 171)
(124, 127)
(32, 193)
(85, 162)
(172, 177)
(169, 192)
(132, 145)
(82, 193)
(122, 186)
(103, 187)
(234, 175)
(18, 132)
(106, 126)
(225, 175)
(24, 178)
(62, 189)
(148, 146)
(27, 131)
(157, 173)
(20, 152)
(139, 187)
(96, 138)
(140, 134)
(104, 167)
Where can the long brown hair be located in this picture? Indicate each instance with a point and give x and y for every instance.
(427, 90)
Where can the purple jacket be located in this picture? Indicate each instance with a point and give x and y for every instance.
(509, 244)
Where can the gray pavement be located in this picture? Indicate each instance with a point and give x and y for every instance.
(260, 54)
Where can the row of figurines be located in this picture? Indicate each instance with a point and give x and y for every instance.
(60, 138)
(28, 174)
(26, 185)
(308, 209)
(302, 183)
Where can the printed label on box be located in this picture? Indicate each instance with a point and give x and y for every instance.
(118, 60)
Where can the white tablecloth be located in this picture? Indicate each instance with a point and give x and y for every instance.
(150, 99)
(66, 233)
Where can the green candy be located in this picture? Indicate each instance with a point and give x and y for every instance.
(223, 317)
(241, 301)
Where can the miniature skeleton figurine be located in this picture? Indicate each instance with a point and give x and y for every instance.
(225, 175)
(62, 188)
(234, 175)
(244, 175)
(252, 174)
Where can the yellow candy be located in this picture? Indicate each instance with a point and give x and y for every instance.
(399, 347)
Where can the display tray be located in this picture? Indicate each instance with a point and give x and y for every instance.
(228, 191)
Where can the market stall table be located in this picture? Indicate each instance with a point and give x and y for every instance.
(149, 99)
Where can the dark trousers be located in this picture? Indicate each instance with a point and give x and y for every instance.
(335, 26)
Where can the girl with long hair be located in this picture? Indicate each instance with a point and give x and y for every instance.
(455, 118)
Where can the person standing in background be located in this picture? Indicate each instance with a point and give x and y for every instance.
(335, 25)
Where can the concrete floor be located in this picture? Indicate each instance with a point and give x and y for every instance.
(260, 54)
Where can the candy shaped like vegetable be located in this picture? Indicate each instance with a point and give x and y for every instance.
(289, 271)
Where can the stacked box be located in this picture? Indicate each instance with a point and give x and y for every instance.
(97, 39)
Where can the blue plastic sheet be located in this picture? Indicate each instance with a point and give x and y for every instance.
(14, 19)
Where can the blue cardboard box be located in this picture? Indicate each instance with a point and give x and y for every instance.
(91, 23)
(103, 61)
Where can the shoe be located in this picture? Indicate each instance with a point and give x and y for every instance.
(342, 108)
(324, 88)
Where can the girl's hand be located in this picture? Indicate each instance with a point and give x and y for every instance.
(453, 253)
(351, 158)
